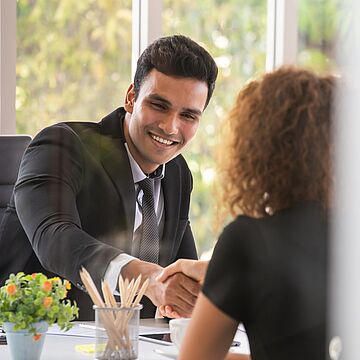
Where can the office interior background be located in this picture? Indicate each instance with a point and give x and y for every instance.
(73, 60)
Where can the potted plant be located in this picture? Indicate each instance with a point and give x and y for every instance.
(29, 304)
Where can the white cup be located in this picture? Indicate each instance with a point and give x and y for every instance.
(178, 330)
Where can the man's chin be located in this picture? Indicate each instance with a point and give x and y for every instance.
(163, 160)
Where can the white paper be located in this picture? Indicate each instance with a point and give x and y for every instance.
(87, 329)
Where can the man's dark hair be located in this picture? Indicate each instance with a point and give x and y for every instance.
(177, 55)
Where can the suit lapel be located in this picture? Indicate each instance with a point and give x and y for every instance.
(116, 163)
(172, 199)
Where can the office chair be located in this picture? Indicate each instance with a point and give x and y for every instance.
(12, 148)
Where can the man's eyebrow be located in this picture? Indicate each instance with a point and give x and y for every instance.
(159, 98)
(167, 102)
(193, 111)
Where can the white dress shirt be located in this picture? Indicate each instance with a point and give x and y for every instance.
(114, 269)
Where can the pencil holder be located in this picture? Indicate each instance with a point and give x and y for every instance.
(117, 332)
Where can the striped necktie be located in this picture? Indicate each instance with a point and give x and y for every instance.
(149, 243)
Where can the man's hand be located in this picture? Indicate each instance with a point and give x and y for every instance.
(178, 291)
(191, 268)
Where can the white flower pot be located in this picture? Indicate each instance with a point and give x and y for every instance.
(24, 345)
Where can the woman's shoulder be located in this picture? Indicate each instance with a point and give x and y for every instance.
(240, 235)
(252, 234)
(240, 222)
(295, 214)
(244, 226)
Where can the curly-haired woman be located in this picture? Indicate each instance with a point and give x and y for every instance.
(268, 268)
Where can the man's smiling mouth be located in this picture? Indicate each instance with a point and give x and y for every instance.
(161, 140)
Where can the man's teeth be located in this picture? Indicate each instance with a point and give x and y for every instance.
(161, 140)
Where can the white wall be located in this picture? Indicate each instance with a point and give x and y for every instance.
(345, 247)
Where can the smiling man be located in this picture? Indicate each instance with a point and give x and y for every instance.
(163, 119)
(79, 198)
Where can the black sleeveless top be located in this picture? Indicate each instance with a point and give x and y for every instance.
(270, 274)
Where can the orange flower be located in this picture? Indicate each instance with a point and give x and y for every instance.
(11, 289)
(47, 286)
(33, 275)
(36, 337)
(67, 284)
(47, 301)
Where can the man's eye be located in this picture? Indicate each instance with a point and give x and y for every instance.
(189, 116)
(158, 106)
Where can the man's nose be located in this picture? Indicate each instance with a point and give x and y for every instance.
(169, 125)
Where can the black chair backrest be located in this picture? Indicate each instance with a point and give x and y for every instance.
(12, 148)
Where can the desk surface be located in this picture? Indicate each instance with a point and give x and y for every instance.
(60, 347)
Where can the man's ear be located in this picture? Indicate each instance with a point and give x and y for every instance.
(130, 99)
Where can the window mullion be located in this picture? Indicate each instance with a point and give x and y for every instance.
(146, 26)
(282, 33)
(7, 66)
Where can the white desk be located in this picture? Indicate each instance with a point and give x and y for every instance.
(62, 347)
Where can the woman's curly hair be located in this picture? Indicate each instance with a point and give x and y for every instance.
(276, 149)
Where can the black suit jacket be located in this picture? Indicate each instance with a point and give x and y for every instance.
(74, 205)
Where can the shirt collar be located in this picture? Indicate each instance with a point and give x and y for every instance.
(138, 174)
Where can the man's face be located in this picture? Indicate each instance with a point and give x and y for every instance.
(163, 119)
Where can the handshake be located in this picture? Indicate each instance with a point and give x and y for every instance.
(174, 289)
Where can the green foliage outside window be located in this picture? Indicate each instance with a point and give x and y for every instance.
(318, 25)
(73, 60)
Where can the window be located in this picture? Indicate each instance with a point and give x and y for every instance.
(73, 60)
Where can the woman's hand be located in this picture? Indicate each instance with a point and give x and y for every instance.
(194, 269)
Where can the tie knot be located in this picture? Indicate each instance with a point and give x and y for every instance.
(147, 186)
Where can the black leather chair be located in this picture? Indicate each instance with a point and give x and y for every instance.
(12, 148)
